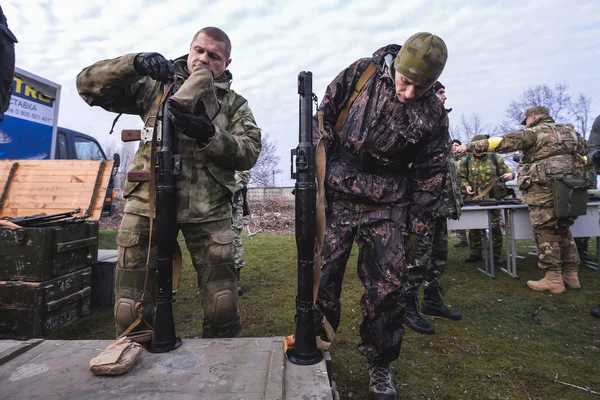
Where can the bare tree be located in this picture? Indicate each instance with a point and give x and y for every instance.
(468, 127)
(263, 172)
(562, 107)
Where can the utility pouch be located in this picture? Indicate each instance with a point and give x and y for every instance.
(570, 196)
(499, 191)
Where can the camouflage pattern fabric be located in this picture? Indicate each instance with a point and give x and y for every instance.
(430, 259)
(381, 268)
(237, 224)
(548, 149)
(461, 234)
(479, 173)
(476, 236)
(207, 183)
(204, 188)
(211, 247)
(380, 131)
(458, 159)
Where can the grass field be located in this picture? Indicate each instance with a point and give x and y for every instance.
(511, 344)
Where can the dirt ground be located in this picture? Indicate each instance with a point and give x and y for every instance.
(274, 217)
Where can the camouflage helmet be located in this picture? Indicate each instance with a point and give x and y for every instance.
(422, 58)
(478, 137)
(537, 110)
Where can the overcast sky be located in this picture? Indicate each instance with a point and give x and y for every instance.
(496, 48)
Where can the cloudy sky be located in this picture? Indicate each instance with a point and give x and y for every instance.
(496, 48)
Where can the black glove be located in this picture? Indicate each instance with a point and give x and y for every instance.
(596, 158)
(196, 126)
(154, 65)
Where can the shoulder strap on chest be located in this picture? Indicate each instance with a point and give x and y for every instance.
(359, 85)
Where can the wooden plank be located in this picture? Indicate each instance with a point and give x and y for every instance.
(54, 186)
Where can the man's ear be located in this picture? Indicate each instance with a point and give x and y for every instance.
(227, 63)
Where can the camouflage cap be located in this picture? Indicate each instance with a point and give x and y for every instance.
(478, 137)
(541, 110)
(422, 58)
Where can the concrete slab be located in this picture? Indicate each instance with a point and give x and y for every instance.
(10, 349)
(215, 369)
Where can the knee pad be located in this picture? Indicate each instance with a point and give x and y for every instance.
(125, 314)
(220, 305)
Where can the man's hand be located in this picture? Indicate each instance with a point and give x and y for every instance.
(470, 190)
(196, 126)
(507, 176)
(461, 149)
(153, 65)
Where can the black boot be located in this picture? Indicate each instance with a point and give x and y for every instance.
(473, 258)
(434, 306)
(596, 311)
(462, 243)
(381, 383)
(413, 319)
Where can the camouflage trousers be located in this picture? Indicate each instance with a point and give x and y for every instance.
(461, 234)
(381, 268)
(211, 248)
(430, 260)
(555, 245)
(476, 236)
(237, 224)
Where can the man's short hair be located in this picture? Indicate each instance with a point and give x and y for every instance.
(218, 35)
(458, 142)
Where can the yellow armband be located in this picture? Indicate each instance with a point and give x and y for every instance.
(493, 143)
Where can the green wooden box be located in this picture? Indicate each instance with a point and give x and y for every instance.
(32, 309)
(40, 254)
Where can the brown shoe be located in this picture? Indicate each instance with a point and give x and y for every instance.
(552, 282)
(571, 280)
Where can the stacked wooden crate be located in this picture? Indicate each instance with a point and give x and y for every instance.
(46, 271)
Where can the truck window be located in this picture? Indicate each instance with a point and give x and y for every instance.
(87, 149)
(61, 148)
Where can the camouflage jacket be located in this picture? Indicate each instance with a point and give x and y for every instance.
(593, 144)
(479, 173)
(451, 199)
(207, 183)
(548, 149)
(382, 131)
(241, 179)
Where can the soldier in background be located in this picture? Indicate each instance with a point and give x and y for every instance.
(212, 147)
(240, 209)
(7, 63)
(475, 175)
(593, 156)
(461, 234)
(549, 151)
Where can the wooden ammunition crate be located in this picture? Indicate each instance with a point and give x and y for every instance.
(40, 254)
(32, 309)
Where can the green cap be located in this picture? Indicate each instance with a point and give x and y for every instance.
(422, 58)
(537, 110)
(478, 137)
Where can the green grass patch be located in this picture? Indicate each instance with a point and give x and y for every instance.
(511, 343)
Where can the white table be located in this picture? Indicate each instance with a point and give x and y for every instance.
(518, 227)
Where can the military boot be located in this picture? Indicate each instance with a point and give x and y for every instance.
(596, 311)
(381, 384)
(199, 86)
(413, 319)
(473, 258)
(552, 282)
(434, 306)
(571, 280)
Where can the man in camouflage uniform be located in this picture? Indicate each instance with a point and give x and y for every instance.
(7, 63)
(430, 259)
(432, 252)
(461, 234)
(239, 205)
(548, 150)
(374, 197)
(212, 147)
(593, 157)
(476, 173)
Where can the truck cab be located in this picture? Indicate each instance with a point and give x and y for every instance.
(73, 145)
